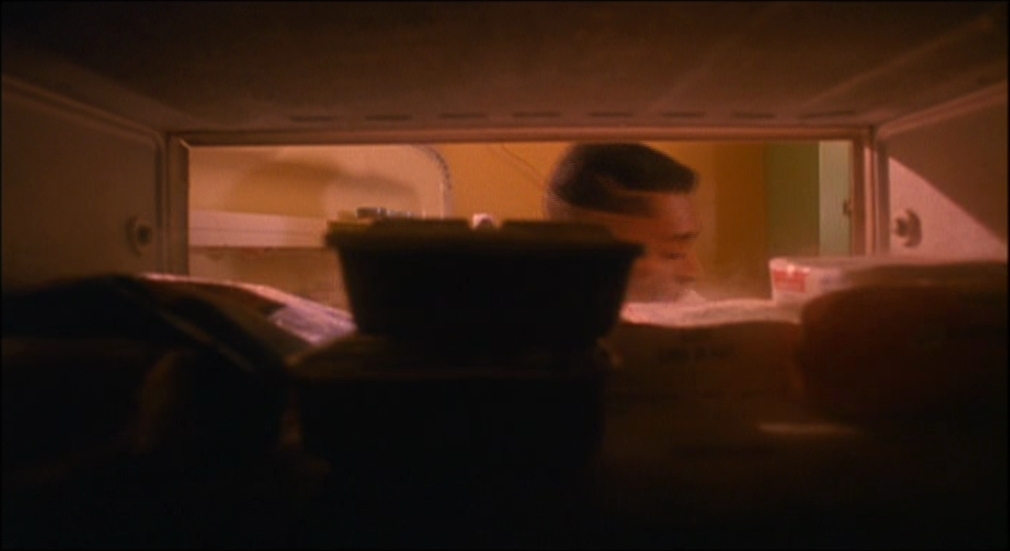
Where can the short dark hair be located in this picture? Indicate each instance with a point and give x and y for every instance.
(587, 173)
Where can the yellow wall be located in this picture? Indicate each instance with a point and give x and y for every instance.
(507, 180)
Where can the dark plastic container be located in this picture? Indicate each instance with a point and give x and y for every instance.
(535, 284)
(376, 407)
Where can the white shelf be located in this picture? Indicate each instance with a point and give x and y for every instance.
(208, 228)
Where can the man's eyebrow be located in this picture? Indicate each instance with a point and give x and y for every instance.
(682, 236)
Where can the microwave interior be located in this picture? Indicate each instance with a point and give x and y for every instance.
(904, 85)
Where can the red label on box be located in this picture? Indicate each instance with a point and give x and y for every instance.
(791, 280)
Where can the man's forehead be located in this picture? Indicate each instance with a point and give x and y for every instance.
(655, 229)
(665, 216)
(673, 209)
(671, 216)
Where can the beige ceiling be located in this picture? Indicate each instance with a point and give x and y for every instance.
(211, 66)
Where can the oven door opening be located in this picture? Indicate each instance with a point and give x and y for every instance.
(257, 213)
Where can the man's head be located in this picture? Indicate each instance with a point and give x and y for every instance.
(641, 195)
